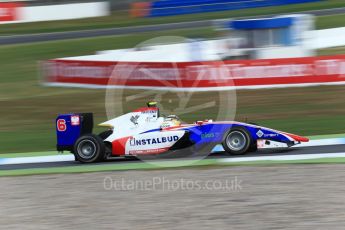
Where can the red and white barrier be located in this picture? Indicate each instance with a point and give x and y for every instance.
(9, 11)
(12, 12)
(197, 75)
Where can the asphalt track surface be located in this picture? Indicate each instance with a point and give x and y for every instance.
(18, 39)
(263, 153)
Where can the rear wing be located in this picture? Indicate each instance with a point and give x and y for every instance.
(69, 127)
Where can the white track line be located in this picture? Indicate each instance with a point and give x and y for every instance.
(283, 158)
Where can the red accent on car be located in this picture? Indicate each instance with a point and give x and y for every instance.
(297, 138)
(119, 146)
(146, 109)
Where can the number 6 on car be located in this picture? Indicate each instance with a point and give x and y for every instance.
(61, 125)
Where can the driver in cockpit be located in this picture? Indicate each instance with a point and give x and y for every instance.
(169, 121)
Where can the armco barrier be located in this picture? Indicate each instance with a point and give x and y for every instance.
(197, 75)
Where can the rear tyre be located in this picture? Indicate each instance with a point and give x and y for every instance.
(89, 148)
(237, 141)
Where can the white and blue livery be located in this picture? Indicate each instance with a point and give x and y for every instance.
(145, 132)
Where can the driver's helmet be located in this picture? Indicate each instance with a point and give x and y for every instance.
(151, 104)
(171, 121)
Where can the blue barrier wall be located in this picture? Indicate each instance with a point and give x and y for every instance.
(261, 23)
(279, 29)
(178, 7)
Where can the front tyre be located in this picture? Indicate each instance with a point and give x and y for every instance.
(237, 141)
(89, 148)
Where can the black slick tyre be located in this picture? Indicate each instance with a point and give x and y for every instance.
(89, 148)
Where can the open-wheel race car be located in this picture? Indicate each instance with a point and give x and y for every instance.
(145, 132)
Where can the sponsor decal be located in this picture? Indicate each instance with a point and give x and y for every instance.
(148, 151)
(208, 135)
(259, 133)
(152, 141)
(149, 111)
(75, 120)
(150, 119)
(260, 143)
(134, 119)
(61, 125)
(271, 135)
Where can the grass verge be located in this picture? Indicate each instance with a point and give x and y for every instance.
(163, 165)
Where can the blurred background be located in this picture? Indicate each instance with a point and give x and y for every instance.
(36, 36)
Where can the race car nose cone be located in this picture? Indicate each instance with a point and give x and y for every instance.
(298, 138)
